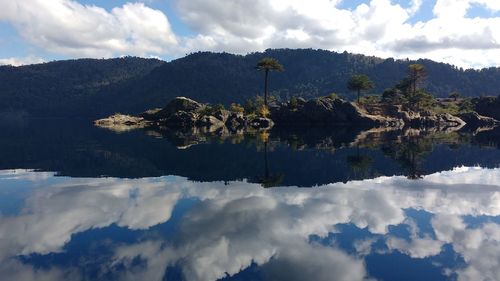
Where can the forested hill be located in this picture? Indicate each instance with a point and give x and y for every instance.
(95, 88)
(61, 88)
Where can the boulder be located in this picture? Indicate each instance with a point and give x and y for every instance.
(222, 115)
(262, 123)
(176, 105)
(209, 121)
(448, 120)
(122, 123)
(327, 111)
(181, 119)
(444, 120)
(473, 119)
(236, 120)
(151, 114)
(119, 119)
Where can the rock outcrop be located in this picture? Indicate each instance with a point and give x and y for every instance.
(177, 105)
(184, 113)
(420, 119)
(327, 111)
(473, 119)
(488, 106)
(122, 123)
(443, 120)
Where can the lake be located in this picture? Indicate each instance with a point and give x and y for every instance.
(84, 203)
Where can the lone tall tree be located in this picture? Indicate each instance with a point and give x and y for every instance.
(416, 75)
(268, 64)
(359, 83)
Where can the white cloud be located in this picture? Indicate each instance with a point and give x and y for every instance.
(70, 28)
(17, 61)
(377, 27)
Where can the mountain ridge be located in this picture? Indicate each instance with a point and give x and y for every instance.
(96, 88)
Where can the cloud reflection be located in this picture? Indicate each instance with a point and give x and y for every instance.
(231, 227)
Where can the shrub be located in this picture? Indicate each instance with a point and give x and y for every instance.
(249, 106)
(333, 96)
(466, 106)
(235, 107)
(393, 96)
(263, 111)
(217, 107)
(370, 99)
(259, 101)
(211, 109)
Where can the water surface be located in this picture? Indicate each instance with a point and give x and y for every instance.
(82, 203)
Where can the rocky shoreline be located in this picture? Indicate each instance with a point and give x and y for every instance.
(183, 113)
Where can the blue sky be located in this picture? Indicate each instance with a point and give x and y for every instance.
(461, 32)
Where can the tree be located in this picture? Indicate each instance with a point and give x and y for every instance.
(266, 65)
(454, 96)
(359, 83)
(416, 75)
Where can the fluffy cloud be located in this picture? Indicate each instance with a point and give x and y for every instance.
(376, 27)
(478, 246)
(319, 24)
(70, 28)
(449, 37)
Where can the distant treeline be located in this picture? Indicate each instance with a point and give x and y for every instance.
(96, 88)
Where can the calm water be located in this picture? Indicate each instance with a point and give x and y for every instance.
(82, 203)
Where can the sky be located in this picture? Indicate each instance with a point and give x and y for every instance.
(465, 33)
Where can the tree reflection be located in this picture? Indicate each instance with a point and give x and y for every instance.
(409, 152)
(268, 180)
(359, 164)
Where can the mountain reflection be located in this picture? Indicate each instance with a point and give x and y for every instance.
(171, 228)
(292, 156)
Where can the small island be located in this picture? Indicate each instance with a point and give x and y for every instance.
(406, 105)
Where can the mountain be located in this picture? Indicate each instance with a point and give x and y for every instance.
(62, 88)
(96, 88)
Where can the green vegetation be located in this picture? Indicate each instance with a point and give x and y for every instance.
(372, 99)
(256, 106)
(211, 109)
(454, 96)
(333, 96)
(294, 102)
(416, 76)
(98, 88)
(236, 107)
(466, 105)
(266, 65)
(451, 108)
(408, 92)
(359, 83)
